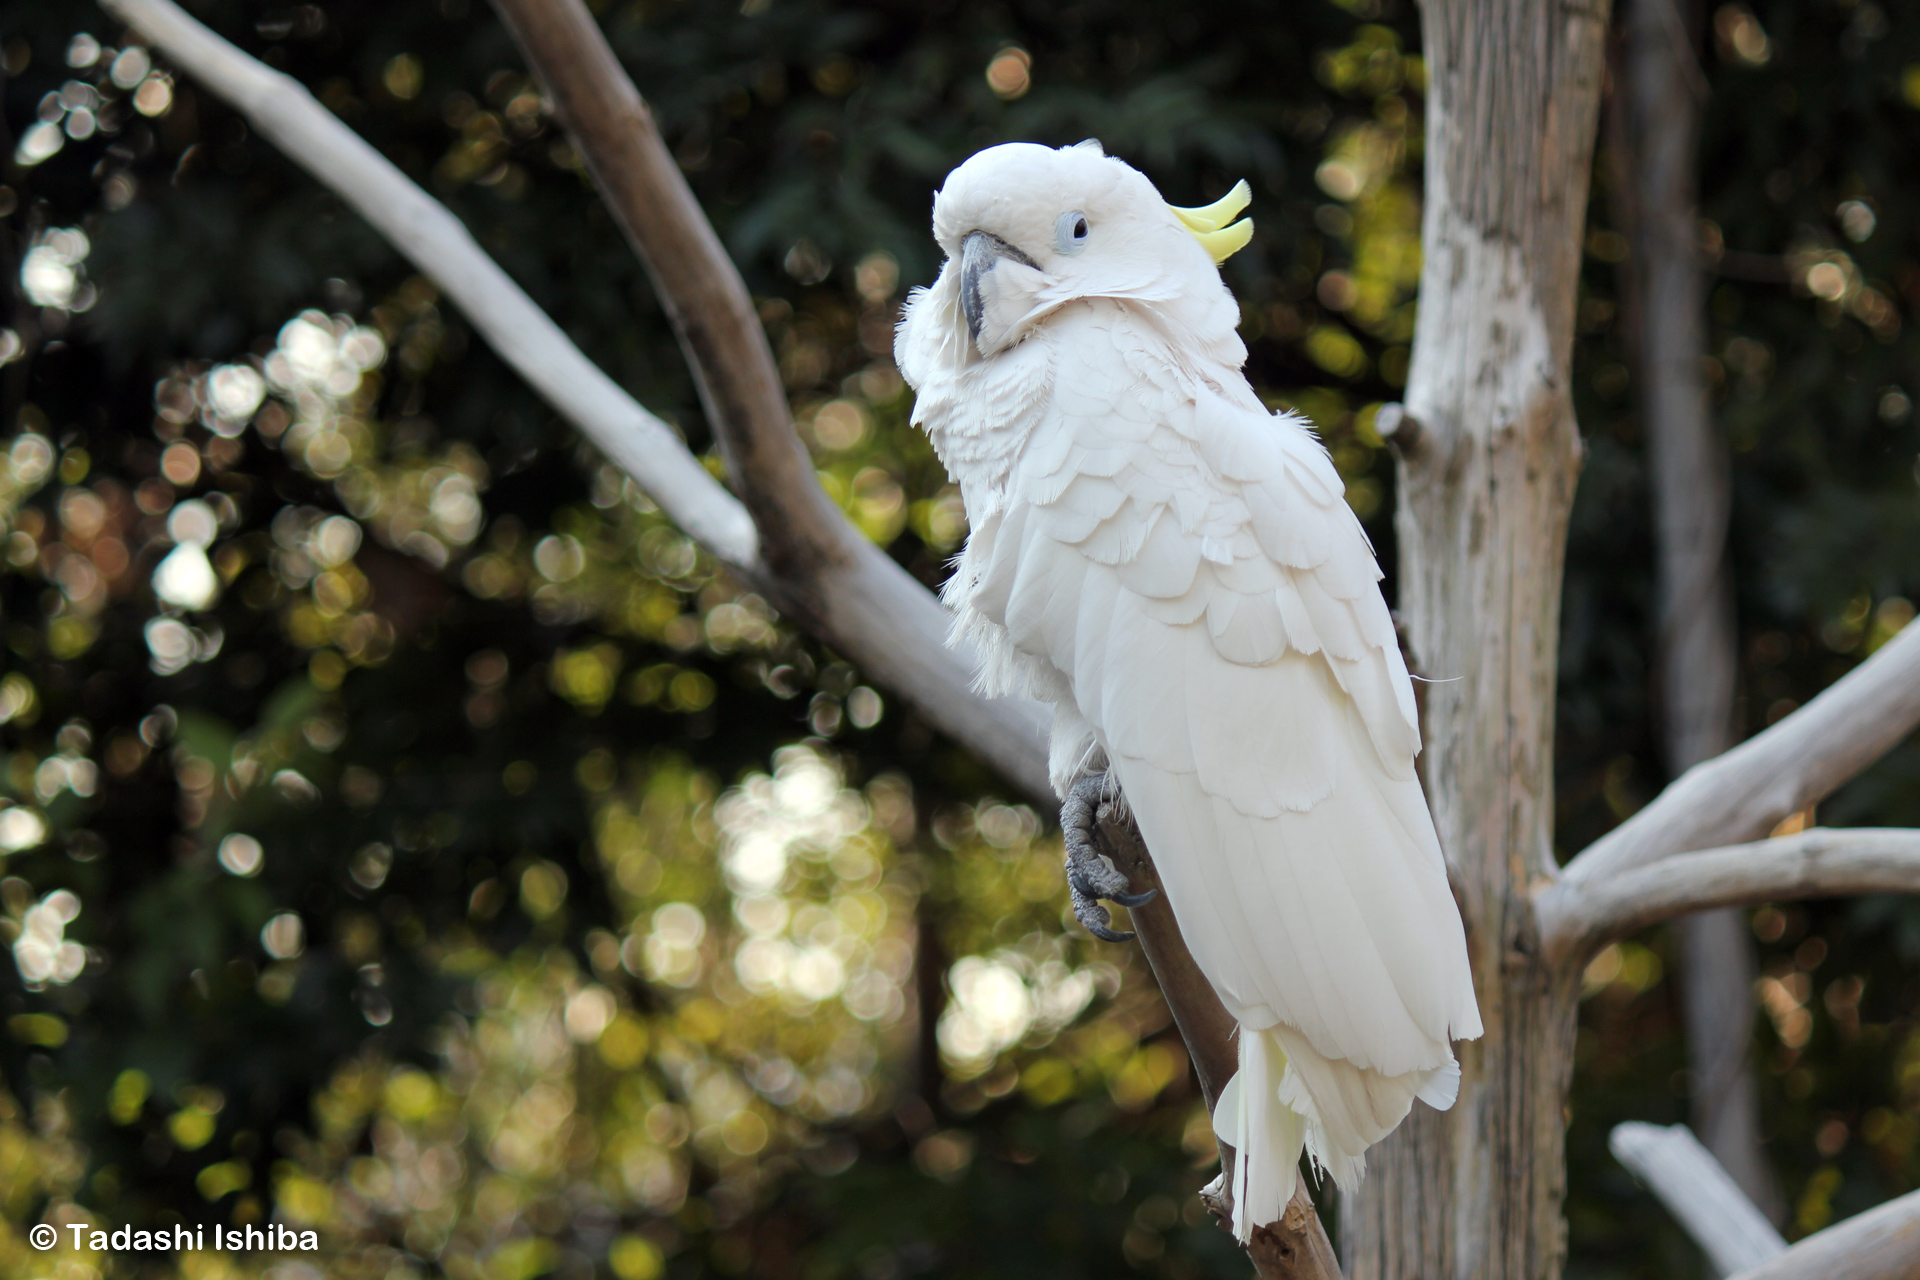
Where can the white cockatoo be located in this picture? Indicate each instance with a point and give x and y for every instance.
(1175, 569)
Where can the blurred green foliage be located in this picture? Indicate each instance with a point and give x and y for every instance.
(409, 833)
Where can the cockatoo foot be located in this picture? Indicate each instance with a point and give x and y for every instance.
(1091, 874)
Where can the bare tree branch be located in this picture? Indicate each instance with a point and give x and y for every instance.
(855, 598)
(1745, 793)
(706, 299)
(1577, 919)
(825, 573)
(814, 564)
(427, 233)
(1699, 1192)
(1881, 1244)
(1296, 1247)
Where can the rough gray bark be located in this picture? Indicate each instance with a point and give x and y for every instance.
(1659, 98)
(1513, 97)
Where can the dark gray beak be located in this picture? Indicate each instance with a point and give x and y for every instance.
(978, 253)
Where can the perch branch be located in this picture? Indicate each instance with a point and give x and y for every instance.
(864, 605)
(1296, 1247)
(1881, 1244)
(1575, 920)
(1700, 1194)
(1744, 793)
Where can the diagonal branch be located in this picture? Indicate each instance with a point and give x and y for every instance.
(1296, 1247)
(712, 313)
(1745, 793)
(850, 594)
(1880, 1244)
(1699, 1192)
(428, 234)
(825, 574)
(1577, 919)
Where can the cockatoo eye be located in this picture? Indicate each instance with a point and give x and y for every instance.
(1071, 232)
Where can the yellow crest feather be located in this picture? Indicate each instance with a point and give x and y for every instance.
(1213, 225)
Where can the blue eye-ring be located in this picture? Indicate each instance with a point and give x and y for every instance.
(1070, 232)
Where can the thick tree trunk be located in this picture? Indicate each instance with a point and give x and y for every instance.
(1659, 95)
(1486, 484)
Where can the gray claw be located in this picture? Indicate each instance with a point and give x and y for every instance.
(1091, 875)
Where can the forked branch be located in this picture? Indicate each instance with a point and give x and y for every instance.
(1746, 792)
(611, 127)
(1578, 919)
(843, 589)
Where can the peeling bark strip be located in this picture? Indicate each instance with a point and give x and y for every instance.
(1513, 97)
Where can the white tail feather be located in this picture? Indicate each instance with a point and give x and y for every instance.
(1266, 1135)
(1287, 1098)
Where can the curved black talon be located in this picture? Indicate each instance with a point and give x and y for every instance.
(1132, 900)
(1094, 918)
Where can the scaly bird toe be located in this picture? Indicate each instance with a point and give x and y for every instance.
(1091, 875)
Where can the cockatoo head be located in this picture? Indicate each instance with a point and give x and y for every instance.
(1029, 229)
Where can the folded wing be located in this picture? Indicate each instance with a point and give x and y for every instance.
(1187, 562)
